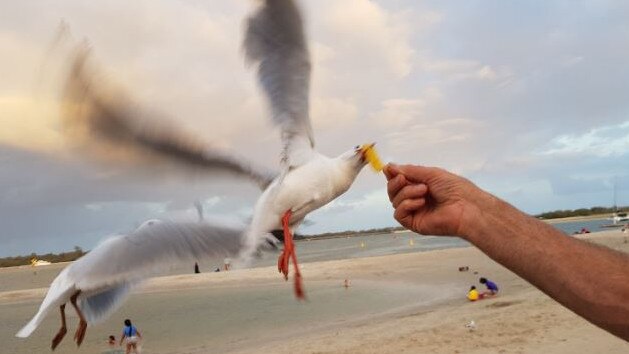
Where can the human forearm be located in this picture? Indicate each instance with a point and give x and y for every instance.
(567, 269)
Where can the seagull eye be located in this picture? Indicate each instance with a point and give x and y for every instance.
(357, 147)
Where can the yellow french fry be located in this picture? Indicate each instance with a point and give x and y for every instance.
(372, 157)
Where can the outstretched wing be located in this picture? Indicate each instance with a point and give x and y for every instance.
(98, 307)
(154, 247)
(275, 41)
(58, 294)
(103, 118)
(106, 274)
(121, 262)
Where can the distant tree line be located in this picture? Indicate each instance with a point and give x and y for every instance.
(50, 257)
(579, 212)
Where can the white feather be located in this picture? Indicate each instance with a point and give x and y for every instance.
(106, 274)
(59, 292)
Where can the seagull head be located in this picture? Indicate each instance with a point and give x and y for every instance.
(356, 156)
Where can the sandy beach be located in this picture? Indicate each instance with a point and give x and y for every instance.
(412, 302)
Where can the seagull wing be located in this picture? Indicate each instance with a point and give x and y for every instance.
(58, 294)
(154, 247)
(106, 274)
(98, 307)
(103, 118)
(275, 42)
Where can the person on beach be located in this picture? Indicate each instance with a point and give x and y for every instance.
(111, 344)
(492, 288)
(591, 280)
(132, 335)
(473, 294)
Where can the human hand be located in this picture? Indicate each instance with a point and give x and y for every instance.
(432, 201)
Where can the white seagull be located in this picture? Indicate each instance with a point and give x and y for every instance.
(308, 180)
(100, 281)
(102, 117)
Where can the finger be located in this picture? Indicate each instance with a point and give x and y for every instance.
(391, 170)
(410, 191)
(395, 184)
(415, 173)
(406, 209)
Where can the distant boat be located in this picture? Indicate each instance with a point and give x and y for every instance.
(619, 218)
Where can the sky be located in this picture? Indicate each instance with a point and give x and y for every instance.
(528, 99)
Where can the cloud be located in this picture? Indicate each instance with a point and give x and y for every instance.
(464, 69)
(374, 198)
(529, 103)
(30, 123)
(399, 112)
(332, 113)
(601, 142)
(364, 27)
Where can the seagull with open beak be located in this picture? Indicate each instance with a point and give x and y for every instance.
(308, 180)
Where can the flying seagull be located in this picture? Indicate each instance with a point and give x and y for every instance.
(104, 120)
(100, 281)
(308, 180)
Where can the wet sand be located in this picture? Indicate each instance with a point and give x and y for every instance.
(412, 302)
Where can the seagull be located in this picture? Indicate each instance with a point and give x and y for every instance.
(98, 283)
(308, 180)
(103, 119)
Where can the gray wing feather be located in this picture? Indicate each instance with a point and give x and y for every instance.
(107, 274)
(102, 117)
(275, 41)
(153, 248)
(98, 307)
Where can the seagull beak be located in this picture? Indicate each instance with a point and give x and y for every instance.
(363, 151)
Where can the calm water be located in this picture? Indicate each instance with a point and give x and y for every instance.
(592, 225)
(308, 251)
(369, 246)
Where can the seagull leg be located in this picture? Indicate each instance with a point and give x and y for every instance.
(80, 331)
(62, 331)
(282, 262)
(288, 254)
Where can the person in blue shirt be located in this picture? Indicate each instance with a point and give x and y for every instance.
(492, 288)
(131, 333)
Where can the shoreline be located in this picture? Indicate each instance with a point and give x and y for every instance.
(413, 302)
(577, 218)
(387, 231)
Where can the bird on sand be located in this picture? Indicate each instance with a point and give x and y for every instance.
(98, 283)
(275, 44)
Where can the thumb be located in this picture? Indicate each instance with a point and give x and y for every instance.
(390, 170)
(415, 173)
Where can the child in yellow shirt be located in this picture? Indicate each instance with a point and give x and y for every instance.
(473, 295)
